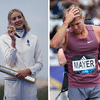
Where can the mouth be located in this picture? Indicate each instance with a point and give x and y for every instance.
(18, 23)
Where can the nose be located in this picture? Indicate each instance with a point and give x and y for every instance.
(17, 19)
(75, 27)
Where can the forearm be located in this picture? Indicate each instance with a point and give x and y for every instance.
(13, 43)
(59, 38)
(29, 71)
(62, 61)
(10, 58)
(36, 68)
(61, 57)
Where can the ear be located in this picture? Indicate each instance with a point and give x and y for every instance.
(83, 17)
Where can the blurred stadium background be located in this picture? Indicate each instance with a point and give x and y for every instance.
(91, 10)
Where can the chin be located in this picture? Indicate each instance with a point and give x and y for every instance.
(19, 28)
(77, 33)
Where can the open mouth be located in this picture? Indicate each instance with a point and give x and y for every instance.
(18, 23)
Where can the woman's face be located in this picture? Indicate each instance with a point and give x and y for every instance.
(17, 20)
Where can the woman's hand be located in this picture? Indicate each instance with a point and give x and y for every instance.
(23, 73)
(11, 31)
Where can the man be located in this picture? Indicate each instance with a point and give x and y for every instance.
(80, 42)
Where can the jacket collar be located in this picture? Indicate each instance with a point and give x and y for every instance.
(20, 33)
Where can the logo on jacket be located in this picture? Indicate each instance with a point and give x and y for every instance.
(90, 41)
(28, 42)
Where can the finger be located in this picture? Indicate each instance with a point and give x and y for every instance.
(75, 13)
(17, 75)
(72, 9)
(20, 77)
(75, 10)
(11, 33)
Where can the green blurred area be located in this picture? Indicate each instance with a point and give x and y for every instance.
(1, 92)
(42, 93)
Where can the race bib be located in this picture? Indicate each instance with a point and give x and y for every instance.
(83, 64)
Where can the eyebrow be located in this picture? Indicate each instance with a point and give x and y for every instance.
(17, 15)
(75, 24)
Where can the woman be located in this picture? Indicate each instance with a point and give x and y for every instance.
(22, 53)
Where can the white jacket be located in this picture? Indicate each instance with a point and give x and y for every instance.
(27, 54)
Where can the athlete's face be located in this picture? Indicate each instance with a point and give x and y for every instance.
(77, 25)
(17, 20)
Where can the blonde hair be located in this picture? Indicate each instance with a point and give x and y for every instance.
(75, 7)
(26, 27)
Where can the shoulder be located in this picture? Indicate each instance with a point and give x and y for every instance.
(97, 32)
(96, 28)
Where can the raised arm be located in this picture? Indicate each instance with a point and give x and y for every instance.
(59, 38)
(9, 50)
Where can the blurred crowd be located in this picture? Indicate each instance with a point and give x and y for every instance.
(90, 9)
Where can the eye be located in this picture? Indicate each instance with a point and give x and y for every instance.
(19, 17)
(72, 25)
(77, 23)
(14, 18)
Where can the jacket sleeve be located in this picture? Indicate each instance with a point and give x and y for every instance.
(38, 60)
(8, 51)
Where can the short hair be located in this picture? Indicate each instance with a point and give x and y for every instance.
(75, 7)
(26, 27)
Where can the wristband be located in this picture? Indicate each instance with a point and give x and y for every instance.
(60, 47)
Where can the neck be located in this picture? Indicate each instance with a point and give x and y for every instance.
(20, 30)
